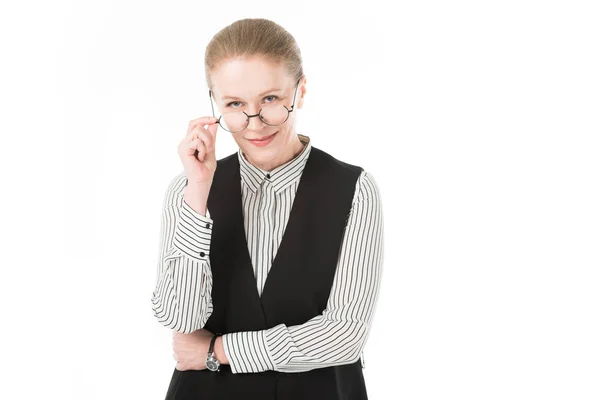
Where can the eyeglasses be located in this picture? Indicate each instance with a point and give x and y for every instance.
(272, 114)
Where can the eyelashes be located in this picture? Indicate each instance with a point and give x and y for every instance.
(230, 103)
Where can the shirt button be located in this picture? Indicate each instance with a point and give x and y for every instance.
(202, 254)
(207, 225)
(268, 176)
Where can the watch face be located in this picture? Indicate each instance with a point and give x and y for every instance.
(212, 365)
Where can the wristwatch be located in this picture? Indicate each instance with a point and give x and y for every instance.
(211, 361)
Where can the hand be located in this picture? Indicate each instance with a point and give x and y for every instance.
(191, 349)
(197, 151)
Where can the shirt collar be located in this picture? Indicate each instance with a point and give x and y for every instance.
(280, 177)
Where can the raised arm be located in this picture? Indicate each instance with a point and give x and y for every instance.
(181, 299)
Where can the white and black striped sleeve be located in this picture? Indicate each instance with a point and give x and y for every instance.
(339, 334)
(181, 299)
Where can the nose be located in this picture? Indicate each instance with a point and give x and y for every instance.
(255, 123)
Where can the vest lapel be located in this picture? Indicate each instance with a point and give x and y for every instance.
(229, 247)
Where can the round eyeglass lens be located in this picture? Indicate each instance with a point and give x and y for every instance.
(274, 115)
(234, 121)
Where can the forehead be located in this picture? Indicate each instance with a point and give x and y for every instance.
(248, 77)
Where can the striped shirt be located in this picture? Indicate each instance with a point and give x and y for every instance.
(181, 299)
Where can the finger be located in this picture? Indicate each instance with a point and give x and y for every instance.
(213, 130)
(193, 133)
(189, 147)
(207, 138)
(195, 148)
(200, 148)
(202, 121)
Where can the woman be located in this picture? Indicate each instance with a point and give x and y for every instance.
(266, 300)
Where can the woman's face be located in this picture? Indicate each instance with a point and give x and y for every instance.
(249, 84)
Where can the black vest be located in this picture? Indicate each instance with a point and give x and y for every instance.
(297, 286)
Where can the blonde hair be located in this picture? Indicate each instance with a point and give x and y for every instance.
(251, 37)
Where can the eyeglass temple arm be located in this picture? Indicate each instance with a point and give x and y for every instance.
(211, 103)
(295, 91)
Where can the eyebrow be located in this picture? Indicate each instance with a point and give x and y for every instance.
(261, 94)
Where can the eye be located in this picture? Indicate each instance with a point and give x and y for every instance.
(266, 97)
(229, 104)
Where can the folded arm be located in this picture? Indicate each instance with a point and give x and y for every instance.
(339, 334)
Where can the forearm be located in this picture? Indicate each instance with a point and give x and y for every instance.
(318, 343)
(183, 280)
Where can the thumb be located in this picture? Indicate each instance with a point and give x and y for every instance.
(210, 161)
(212, 128)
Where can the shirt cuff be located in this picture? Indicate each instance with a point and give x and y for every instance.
(247, 352)
(193, 233)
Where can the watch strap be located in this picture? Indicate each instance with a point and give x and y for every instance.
(211, 347)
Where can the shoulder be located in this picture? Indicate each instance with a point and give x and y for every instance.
(334, 162)
(367, 188)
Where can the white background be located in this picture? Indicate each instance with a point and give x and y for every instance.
(478, 119)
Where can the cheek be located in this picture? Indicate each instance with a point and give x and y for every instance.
(285, 132)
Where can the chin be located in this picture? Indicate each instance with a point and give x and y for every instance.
(261, 155)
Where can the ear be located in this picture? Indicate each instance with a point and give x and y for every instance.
(301, 92)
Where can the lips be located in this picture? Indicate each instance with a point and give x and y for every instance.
(264, 141)
(262, 138)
